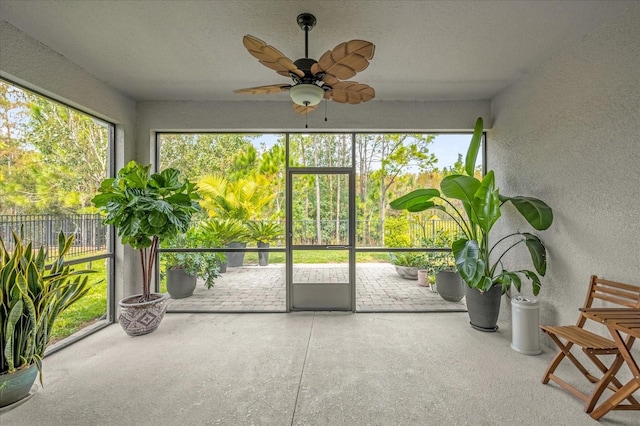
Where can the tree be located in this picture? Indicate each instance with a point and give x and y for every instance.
(200, 154)
(74, 147)
(13, 159)
(382, 160)
(53, 157)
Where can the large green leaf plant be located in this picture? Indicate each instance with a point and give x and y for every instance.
(146, 207)
(480, 263)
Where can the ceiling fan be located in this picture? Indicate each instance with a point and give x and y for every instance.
(314, 80)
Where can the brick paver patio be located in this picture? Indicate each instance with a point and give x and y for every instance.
(262, 288)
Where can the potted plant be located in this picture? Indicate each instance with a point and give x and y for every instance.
(239, 200)
(449, 284)
(144, 208)
(263, 233)
(229, 232)
(183, 268)
(32, 296)
(480, 263)
(407, 265)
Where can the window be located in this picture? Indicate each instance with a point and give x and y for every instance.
(53, 160)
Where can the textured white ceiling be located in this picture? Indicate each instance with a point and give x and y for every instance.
(192, 50)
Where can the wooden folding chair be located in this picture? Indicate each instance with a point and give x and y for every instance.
(612, 294)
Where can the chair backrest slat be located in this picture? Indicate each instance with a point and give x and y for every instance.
(626, 295)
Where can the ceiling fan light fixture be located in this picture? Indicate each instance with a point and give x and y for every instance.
(306, 94)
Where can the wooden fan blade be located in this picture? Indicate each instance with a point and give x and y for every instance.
(301, 109)
(346, 59)
(352, 92)
(270, 57)
(330, 80)
(264, 90)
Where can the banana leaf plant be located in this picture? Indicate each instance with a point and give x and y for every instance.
(144, 208)
(480, 263)
(32, 295)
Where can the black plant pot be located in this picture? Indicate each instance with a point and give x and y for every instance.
(263, 256)
(450, 286)
(180, 284)
(484, 308)
(235, 258)
(222, 266)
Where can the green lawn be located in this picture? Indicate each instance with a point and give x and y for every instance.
(86, 310)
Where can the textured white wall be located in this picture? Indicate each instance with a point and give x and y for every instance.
(30, 63)
(570, 135)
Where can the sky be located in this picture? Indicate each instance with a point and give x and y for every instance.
(446, 147)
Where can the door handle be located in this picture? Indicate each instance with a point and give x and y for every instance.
(337, 247)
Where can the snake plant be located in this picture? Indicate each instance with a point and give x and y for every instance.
(32, 295)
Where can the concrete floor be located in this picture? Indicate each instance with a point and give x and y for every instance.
(379, 288)
(301, 369)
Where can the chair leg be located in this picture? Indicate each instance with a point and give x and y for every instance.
(564, 350)
(611, 403)
(608, 377)
(552, 366)
(612, 382)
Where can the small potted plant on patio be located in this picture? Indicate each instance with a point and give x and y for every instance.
(228, 232)
(407, 265)
(480, 263)
(32, 296)
(449, 284)
(263, 233)
(144, 208)
(184, 268)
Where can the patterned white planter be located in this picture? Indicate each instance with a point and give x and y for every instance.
(141, 318)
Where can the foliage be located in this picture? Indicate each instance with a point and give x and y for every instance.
(417, 260)
(482, 204)
(264, 232)
(243, 199)
(394, 153)
(92, 307)
(196, 155)
(396, 232)
(224, 230)
(199, 264)
(34, 132)
(31, 298)
(439, 260)
(145, 208)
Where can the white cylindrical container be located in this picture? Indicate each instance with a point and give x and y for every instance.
(525, 321)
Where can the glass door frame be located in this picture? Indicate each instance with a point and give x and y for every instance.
(290, 247)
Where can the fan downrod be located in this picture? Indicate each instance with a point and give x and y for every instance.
(306, 21)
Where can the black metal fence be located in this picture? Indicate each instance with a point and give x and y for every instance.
(90, 235)
(369, 233)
